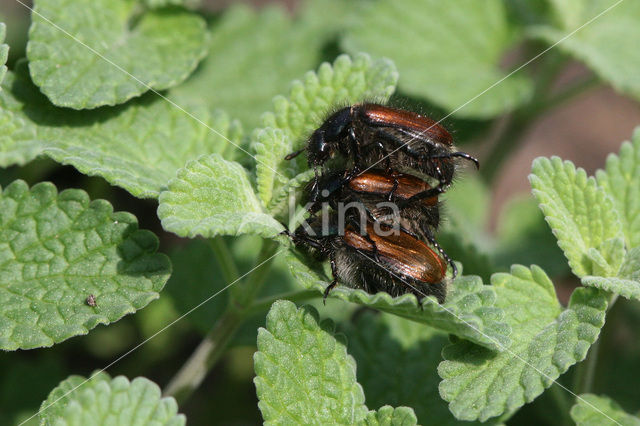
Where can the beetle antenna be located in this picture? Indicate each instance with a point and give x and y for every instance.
(294, 154)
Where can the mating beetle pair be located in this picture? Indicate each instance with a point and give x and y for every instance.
(384, 148)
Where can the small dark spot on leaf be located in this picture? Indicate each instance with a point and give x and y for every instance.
(91, 300)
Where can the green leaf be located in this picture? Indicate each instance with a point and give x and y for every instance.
(254, 56)
(621, 181)
(406, 365)
(88, 53)
(631, 267)
(4, 51)
(103, 400)
(271, 146)
(627, 288)
(138, 146)
(547, 340)
(56, 250)
(303, 373)
(389, 416)
(593, 410)
(627, 284)
(448, 55)
(294, 118)
(580, 213)
(607, 44)
(468, 311)
(212, 196)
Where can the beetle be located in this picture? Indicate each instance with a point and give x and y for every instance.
(370, 134)
(396, 200)
(403, 264)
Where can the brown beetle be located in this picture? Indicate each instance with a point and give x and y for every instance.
(373, 135)
(394, 199)
(394, 263)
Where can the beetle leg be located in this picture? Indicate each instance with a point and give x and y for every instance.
(464, 155)
(355, 148)
(441, 180)
(454, 268)
(376, 144)
(395, 186)
(406, 231)
(334, 282)
(327, 290)
(315, 188)
(433, 192)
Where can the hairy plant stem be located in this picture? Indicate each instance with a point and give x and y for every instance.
(223, 256)
(243, 294)
(214, 344)
(206, 355)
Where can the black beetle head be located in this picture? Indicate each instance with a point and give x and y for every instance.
(320, 150)
(325, 141)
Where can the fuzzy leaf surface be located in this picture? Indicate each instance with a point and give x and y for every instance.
(621, 180)
(627, 284)
(409, 360)
(547, 340)
(212, 196)
(254, 55)
(303, 373)
(55, 251)
(580, 214)
(88, 53)
(4, 51)
(389, 416)
(468, 311)
(606, 44)
(588, 411)
(346, 81)
(103, 400)
(440, 45)
(138, 146)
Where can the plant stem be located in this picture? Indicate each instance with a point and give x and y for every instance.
(559, 395)
(566, 95)
(212, 347)
(506, 144)
(208, 352)
(225, 260)
(244, 293)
